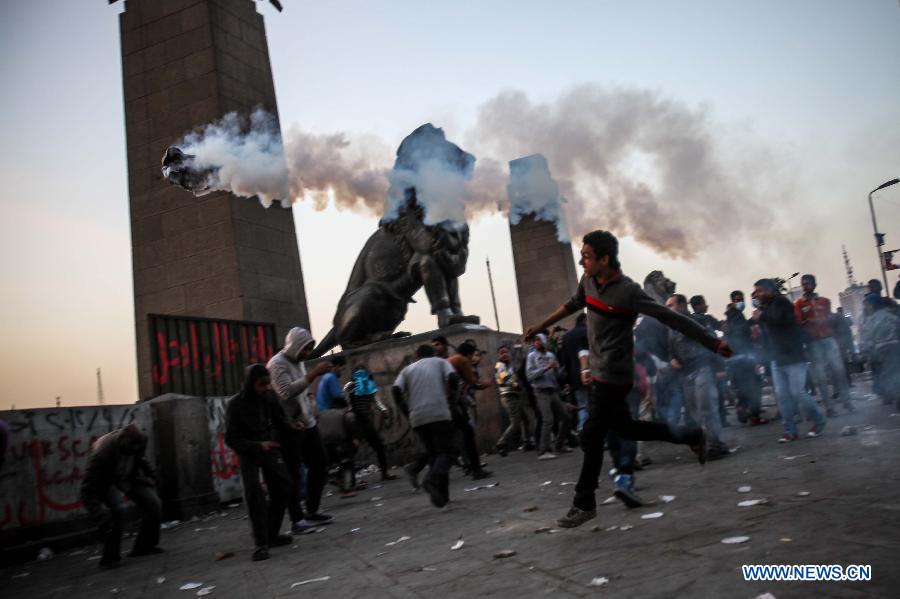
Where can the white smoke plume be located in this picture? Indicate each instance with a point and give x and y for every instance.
(628, 160)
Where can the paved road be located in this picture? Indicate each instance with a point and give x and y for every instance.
(850, 516)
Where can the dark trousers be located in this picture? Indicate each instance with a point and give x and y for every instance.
(437, 437)
(624, 451)
(147, 501)
(608, 410)
(306, 449)
(265, 515)
(747, 386)
(366, 429)
(470, 449)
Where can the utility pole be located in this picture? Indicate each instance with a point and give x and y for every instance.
(493, 298)
(879, 237)
(99, 388)
(57, 401)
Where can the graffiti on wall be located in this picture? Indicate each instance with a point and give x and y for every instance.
(47, 458)
(226, 473)
(203, 357)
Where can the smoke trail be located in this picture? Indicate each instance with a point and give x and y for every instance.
(628, 160)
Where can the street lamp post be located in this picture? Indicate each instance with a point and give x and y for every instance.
(878, 236)
(790, 285)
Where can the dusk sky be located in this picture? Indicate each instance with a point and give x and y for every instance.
(800, 98)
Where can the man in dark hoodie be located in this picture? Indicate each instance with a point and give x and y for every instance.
(117, 466)
(613, 302)
(254, 423)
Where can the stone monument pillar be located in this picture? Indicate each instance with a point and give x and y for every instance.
(186, 63)
(545, 268)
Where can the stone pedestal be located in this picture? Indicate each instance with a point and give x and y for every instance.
(184, 466)
(386, 359)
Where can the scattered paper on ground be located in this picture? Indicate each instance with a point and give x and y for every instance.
(802, 493)
(666, 498)
(745, 489)
(505, 553)
(205, 591)
(400, 540)
(303, 582)
(599, 581)
(190, 585)
(752, 502)
(457, 545)
(735, 540)
(652, 516)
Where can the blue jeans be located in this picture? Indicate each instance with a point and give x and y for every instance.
(823, 354)
(670, 395)
(791, 393)
(582, 397)
(702, 401)
(622, 449)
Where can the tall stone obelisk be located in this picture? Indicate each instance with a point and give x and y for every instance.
(186, 63)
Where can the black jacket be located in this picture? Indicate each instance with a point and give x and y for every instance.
(250, 420)
(783, 336)
(739, 335)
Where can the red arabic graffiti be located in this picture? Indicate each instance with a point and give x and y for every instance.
(222, 348)
(224, 461)
(38, 449)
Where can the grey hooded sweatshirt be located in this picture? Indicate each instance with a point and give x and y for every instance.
(289, 378)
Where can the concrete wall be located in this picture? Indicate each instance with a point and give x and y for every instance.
(186, 63)
(40, 482)
(47, 458)
(545, 270)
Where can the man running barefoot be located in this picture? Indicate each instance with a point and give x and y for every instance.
(613, 302)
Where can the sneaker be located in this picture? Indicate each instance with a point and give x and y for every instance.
(787, 438)
(576, 517)
(547, 456)
(759, 420)
(481, 474)
(143, 552)
(564, 449)
(412, 477)
(303, 528)
(501, 451)
(528, 447)
(815, 431)
(319, 518)
(282, 540)
(260, 554)
(624, 490)
(438, 499)
(699, 448)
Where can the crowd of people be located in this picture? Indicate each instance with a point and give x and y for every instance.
(633, 368)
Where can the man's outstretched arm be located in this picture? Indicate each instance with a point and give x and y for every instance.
(685, 325)
(575, 303)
